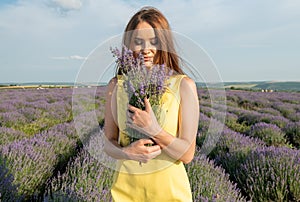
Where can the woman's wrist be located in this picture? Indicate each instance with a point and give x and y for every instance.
(163, 138)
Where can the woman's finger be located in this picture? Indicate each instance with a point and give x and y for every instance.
(147, 105)
(155, 153)
(132, 108)
(154, 149)
(146, 141)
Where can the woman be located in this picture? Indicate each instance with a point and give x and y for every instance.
(156, 172)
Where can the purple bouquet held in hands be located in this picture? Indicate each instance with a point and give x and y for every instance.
(140, 82)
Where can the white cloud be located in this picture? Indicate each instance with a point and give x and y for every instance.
(77, 57)
(72, 57)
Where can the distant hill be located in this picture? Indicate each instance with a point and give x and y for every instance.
(265, 85)
(46, 85)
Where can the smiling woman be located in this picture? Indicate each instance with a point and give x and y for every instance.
(152, 30)
(145, 42)
(151, 168)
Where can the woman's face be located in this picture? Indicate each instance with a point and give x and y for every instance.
(144, 41)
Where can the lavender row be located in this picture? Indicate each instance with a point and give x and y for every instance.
(276, 103)
(32, 111)
(274, 130)
(209, 182)
(7, 189)
(32, 161)
(262, 173)
(271, 174)
(266, 173)
(85, 179)
(271, 134)
(228, 140)
(264, 100)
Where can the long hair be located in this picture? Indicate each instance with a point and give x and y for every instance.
(166, 54)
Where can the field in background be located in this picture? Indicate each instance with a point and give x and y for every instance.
(42, 158)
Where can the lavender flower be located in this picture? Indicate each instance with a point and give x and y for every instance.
(141, 82)
(31, 163)
(8, 135)
(210, 182)
(271, 174)
(292, 131)
(8, 191)
(269, 133)
(85, 179)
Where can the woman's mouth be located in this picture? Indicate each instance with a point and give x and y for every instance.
(147, 59)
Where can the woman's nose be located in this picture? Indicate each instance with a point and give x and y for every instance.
(146, 47)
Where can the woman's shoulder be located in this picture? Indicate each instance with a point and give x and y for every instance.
(112, 82)
(187, 81)
(184, 80)
(187, 84)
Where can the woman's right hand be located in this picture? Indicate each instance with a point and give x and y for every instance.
(138, 150)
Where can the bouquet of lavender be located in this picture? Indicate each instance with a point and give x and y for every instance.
(140, 82)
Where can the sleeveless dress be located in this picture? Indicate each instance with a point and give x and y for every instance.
(161, 179)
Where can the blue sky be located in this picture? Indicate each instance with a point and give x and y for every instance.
(48, 40)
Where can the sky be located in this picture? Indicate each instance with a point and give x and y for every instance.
(48, 40)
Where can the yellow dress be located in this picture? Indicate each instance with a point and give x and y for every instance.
(161, 179)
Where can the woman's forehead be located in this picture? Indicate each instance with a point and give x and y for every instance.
(144, 30)
(144, 33)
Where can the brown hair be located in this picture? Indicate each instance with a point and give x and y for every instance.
(166, 54)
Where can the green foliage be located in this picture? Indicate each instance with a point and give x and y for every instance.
(241, 128)
(245, 104)
(269, 133)
(38, 126)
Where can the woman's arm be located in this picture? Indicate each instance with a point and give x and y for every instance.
(135, 151)
(181, 147)
(111, 129)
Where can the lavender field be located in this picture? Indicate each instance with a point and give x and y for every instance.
(256, 158)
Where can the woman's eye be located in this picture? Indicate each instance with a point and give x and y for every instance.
(138, 42)
(154, 41)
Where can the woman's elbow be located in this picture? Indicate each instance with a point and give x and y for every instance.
(189, 155)
(187, 159)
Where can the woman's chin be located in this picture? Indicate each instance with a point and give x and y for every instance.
(148, 64)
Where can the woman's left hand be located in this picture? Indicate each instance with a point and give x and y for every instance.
(143, 121)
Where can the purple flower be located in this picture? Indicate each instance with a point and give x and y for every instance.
(271, 134)
(140, 82)
(85, 178)
(271, 174)
(209, 182)
(292, 131)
